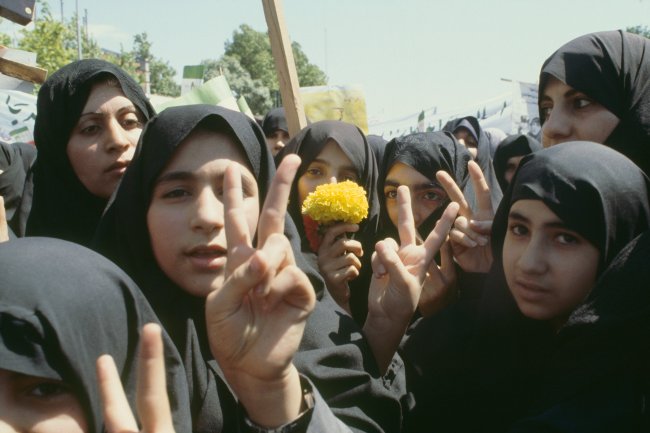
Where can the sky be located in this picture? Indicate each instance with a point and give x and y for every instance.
(407, 55)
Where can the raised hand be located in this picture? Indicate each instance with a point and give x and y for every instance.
(338, 261)
(255, 321)
(152, 400)
(439, 285)
(399, 273)
(470, 237)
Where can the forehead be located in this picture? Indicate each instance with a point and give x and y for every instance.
(555, 87)
(404, 174)
(205, 147)
(333, 154)
(535, 211)
(102, 93)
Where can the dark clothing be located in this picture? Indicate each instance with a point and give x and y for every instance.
(15, 162)
(333, 353)
(483, 159)
(62, 207)
(275, 120)
(308, 144)
(513, 145)
(613, 68)
(61, 307)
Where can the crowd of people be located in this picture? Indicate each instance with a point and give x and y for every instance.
(156, 274)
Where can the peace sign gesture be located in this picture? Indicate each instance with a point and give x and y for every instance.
(255, 321)
(399, 273)
(470, 237)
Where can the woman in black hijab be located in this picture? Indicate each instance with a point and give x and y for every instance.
(56, 319)
(90, 115)
(597, 88)
(469, 132)
(569, 211)
(508, 155)
(337, 150)
(125, 236)
(276, 130)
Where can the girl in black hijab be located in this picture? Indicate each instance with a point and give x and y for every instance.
(469, 132)
(275, 129)
(156, 185)
(597, 88)
(56, 319)
(90, 115)
(569, 211)
(333, 150)
(508, 155)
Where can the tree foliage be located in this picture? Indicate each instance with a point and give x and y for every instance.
(640, 30)
(253, 51)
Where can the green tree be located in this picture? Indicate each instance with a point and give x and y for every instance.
(253, 51)
(640, 30)
(161, 73)
(241, 83)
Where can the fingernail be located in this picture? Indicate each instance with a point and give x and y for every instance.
(255, 266)
(259, 289)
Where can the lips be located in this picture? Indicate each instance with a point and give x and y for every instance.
(118, 167)
(207, 257)
(531, 291)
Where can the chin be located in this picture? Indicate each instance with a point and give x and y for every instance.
(202, 287)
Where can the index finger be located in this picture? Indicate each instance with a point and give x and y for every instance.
(405, 221)
(482, 190)
(152, 399)
(438, 235)
(454, 192)
(115, 407)
(275, 206)
(237, 231)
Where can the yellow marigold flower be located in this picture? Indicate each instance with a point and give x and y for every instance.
(337, 202)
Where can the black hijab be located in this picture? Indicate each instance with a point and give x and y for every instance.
(57, 318)
(15, 160)
(613, 68)
(483, 159)
(62, 207)
(426, 152)
(598, 193)
(275, 120)
(378, 145)
(514, 145)
(333, 353)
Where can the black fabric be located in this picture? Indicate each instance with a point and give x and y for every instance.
(613, 68)
(513, 145)
(57, 318)
(15, 160)
(378, 145)
(328, 355)
(483, 159)
(62, 207)
(426, 152)
(308, 144)
(495, 363)
(275, 120)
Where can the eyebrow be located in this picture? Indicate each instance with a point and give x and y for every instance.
(417, 187)
(514, 215)
(568, 94)
(346, 167)
(129, 107)
(179, 175)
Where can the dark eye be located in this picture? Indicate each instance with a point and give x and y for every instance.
(582, 102)
(545, 112)
(432, 196)
(90, 129)
(518, 230)
(48, 389)
(390, 194)
(131, 123)
(176, 193)
(312, 171)
(567, 239)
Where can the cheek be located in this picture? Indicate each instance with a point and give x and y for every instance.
(601, 127)
(163, 229)
(305, 186)
(509, 257)
(391, 207)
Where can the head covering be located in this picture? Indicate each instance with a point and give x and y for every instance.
(62, 207)
(57, 318)
(495, 136)
(613, 68)
(308, 144)
(378, 145)
(275, 120)
(426, 152)
(483, 159)
(514, 145)
(15, 160)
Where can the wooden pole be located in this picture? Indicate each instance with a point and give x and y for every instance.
(285, 66)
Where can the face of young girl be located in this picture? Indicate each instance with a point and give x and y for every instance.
(186, 215)
(573, 116)
(103, 141)
(550, 269)
(30, 404)
(331, 165)
(426, 195)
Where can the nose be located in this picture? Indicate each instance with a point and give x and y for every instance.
(333, 179)
(532, 261)
(208, 213)
(118, 139)
(557, 128)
